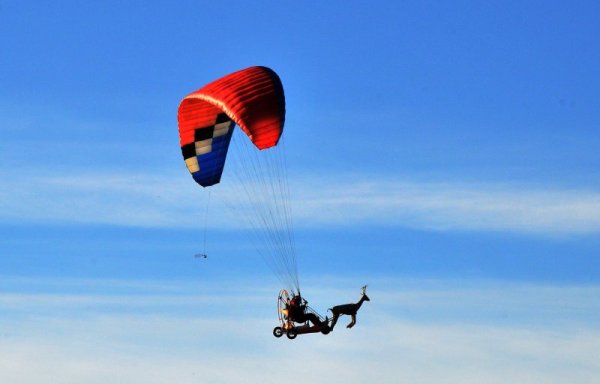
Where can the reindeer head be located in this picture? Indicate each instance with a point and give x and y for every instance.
(364, 296)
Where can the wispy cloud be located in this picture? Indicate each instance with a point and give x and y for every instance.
(391, 342)
(395, 352)
(458, 206)
(167, 200)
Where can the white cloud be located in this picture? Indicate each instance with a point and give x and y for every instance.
(166, 200)
(188, 344)
(460, 206)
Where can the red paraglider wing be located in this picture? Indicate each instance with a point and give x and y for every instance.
(253, 98)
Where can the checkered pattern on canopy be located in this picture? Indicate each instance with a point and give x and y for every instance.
(205, 157)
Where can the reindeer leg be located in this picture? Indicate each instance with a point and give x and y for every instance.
(352, 322)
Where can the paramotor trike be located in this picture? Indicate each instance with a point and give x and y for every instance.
(287, 325)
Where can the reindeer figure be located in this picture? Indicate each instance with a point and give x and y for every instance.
(348, 309)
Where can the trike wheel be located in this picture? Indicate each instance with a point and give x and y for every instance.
(292, 333)
(277, 332)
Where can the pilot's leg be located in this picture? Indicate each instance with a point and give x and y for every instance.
(314, 319)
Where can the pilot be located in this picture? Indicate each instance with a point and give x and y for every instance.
(299, 314)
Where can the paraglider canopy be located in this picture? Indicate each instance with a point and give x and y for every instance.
(251, 98)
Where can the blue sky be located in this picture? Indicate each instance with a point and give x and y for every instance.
(446, 153)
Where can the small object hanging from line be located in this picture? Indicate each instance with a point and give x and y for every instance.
(200, 256)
